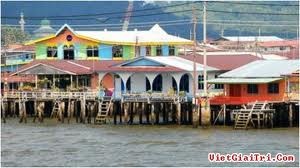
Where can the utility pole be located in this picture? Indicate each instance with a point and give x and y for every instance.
(195, 76)
(22, 22)
(205, 105)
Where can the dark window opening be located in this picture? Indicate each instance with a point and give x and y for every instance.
(200, 82)
(252, 88)
(128, 84)
(148, 85)
(69, 52)
(51, 52)
(172, 50)
(92, 51)
(218, 86)
(174, 84)
(273, 88)
(148, 50)
(117, 51)
(157, 83)
(158, 50)
(184, 83)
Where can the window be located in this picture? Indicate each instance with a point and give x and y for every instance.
(51, 52)
(273, 88)
(200, 82)
(252, 88)
(117, 51)
(148, 50)
(281, 48)
(69, 52)
(171, 50)
(218, 86)
(158, 51)
(157, 83)
(92, 51)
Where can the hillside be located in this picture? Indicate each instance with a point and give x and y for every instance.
(34, 12)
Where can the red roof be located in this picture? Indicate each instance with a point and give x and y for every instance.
(224, 62)
(78, 67)
(5, 77)
(290, 43)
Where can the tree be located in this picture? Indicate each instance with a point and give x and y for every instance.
(12, 35)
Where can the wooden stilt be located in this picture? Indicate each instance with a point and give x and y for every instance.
(178, 113)
(115, 112)
(163, 107)
(148, 106)
(152, 114)
(126, 108)
(291, 115)
(224, 115)
(121, 111)
(132, 107)
(157, 112)
(195, 115)
(141, 109)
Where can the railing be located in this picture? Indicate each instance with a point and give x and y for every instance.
(50, 95)
(151, 97)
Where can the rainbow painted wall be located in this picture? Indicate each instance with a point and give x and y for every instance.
(80, 45)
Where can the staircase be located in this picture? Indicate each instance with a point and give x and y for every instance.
(103, 110)
(55, 108)
(244, 116)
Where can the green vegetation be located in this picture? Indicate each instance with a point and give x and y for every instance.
(12, 35)
(268, 24)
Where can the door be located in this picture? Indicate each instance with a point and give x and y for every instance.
(235, 90)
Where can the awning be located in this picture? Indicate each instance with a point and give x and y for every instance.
(242, 80)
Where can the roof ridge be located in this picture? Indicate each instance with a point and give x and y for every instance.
(88, 68)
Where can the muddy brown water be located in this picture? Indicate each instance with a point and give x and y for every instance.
(56, 144)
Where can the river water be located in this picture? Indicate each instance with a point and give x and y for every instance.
(56, 144)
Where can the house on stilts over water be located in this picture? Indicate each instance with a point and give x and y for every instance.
(128, 66)
(272, 82)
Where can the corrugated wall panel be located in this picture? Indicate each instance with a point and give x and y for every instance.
(165, 50)
(142, 51)
(60, 51)
(128, 52)
(41, 51)
(105, 52)
(153, 50)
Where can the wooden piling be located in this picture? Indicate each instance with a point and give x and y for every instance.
(178, 113)
(126, 108)
(291, 115)
(152, 114)
(141, 109)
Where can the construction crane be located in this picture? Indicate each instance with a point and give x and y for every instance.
(127, 15)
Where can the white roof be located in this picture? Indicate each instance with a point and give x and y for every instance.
(242, 80)
(180, 63)
(155, 34)
(263, 69)
(252, 38)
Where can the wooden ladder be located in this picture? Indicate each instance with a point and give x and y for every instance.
(55, 108)
(243, 117)
(103, 110)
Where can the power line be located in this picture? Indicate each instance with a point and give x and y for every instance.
(163, 22)
(254, 4)
(253, 13)
(99, 14)
(114, 17)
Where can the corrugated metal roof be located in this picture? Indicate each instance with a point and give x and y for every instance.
(264, 68)
(252, 38)
(223, 62)
(156, 34)
(180, 63)
(242, 80)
